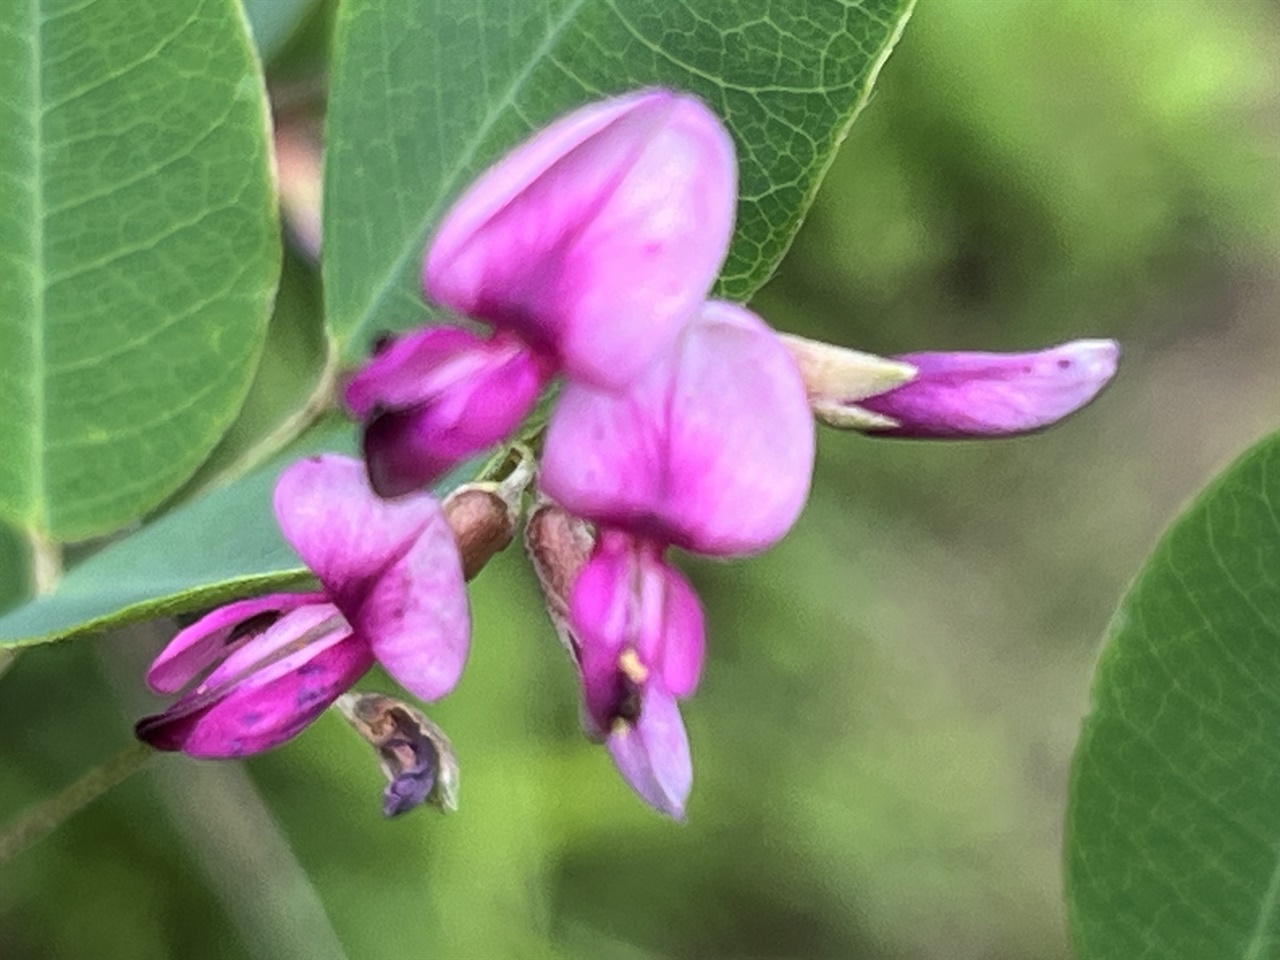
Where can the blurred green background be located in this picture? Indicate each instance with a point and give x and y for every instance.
(891, 695)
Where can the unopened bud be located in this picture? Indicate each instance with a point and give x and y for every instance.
(416, 756)
(836, 379)
(483, 516)
(482, 523)
(559, 546)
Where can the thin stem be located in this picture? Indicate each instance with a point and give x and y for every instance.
(44, 817)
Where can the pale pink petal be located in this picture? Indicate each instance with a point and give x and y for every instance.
(255, 716)
(598, 238)
(279, 649)
(712, 449)
(959, 395)
(204, 643)
(415, 614)
(410, 448)
(653, 754)
(673, 636)
(345, 533)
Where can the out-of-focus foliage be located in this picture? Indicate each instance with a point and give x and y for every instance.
(1173, 838)
(892, 695)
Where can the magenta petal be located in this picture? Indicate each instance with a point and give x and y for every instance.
(436, 397)
(206, 641)
(415, 615)
(597, 238)
(653, 755)
(672, 629)
(417, 367)
(599, 611)
(251, 706)
(957, 395)
(712, 449)
(341, 530)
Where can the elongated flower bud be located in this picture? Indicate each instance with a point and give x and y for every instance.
(959, 395)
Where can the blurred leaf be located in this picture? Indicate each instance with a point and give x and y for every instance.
(140, 249)
(273, 22)
(220, 547)
(424, 95)
(1173, 843)
(15, 567)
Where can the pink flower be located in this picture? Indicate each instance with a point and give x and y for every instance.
(952, 395)
(260, 670)
(585, 250)
(710, 450)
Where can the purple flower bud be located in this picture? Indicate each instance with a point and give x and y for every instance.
(393, 591)
(958, 395)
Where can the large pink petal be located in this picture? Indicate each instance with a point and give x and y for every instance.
(344, 532)
(712, 449)
(415, 614)
(960, 395)
(597, 239)
(269, 693)
(653, 754)
(204, 643)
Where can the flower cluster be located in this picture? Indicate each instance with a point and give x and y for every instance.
(587, 254)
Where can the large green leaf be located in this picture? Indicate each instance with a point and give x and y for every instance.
(217, 548)
(425, 94)
(289, 389)
(138, 250)
(1173, 845)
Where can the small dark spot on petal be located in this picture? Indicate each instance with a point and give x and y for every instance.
(253, 626)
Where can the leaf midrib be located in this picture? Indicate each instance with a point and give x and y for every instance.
(37, 504)
(413, 245)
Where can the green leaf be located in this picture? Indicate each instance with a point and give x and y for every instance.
(290, 389)
(424, 95)
(1173, 845)
(139, 249)
(221, 547)
(15, 568)
(273, 22)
